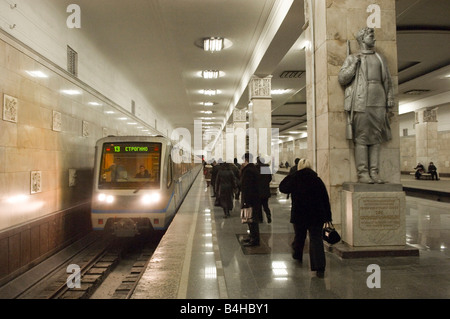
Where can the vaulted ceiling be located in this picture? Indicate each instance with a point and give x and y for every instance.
(155, 44)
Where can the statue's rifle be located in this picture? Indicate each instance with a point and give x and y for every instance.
(349, 130)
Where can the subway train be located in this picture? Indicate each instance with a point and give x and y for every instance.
(139, 184)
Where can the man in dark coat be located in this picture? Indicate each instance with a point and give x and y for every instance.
(310, 210)
(433, 171)
(264, 186)
(250, 197)
(293, 170)
(214, 171)
(225, 186)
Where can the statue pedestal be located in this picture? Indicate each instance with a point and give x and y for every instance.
(373, 215)
(373, 222)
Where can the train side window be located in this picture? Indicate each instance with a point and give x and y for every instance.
(170, 172)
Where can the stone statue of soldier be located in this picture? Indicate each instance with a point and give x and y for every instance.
(369, 99)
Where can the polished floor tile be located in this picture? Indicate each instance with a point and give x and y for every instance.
(271, 272)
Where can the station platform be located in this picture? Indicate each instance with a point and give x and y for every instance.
(201, 257)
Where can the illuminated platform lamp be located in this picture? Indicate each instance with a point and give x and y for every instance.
(211, 74)
(213, 44)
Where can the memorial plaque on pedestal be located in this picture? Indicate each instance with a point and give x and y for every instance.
(374, 215)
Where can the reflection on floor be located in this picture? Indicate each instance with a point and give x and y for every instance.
(270, 271)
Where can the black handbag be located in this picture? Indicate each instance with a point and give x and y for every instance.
(330, 234)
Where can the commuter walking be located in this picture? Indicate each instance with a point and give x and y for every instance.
(214, 171)
(225, 186)
(250, 198)
(310, 210)
(293, 170)
(265, 177)
(238, 176)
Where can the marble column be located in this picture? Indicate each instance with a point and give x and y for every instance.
(239, 131)
(426, 126)
(260, 116)
(329, 24)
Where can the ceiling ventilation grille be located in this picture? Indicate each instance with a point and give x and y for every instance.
(72, 61)
(291, 74)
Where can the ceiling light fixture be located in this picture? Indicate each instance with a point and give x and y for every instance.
(209, 92)
(213, 44)
(210, 74)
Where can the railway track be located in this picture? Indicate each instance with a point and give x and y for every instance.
(85, 272)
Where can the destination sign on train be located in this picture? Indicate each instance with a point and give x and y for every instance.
(132, 148)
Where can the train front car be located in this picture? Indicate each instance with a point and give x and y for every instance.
(131, 194)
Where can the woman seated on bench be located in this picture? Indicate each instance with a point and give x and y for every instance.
(420, 169)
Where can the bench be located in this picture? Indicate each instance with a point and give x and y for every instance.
(422, 176)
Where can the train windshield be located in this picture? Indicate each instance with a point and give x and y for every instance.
(130, 165)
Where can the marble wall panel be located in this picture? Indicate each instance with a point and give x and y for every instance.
(322, 132)
(334, 18)
(337, 128)
(8, 136)
(335, 202)
(390, 165)
(339, 160)
(336, 54)
(335, 95)
(322, 98)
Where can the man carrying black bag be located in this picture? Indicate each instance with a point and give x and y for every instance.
(310, 210)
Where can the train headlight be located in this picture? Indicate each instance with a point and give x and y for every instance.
(105, 198)
(151, 198)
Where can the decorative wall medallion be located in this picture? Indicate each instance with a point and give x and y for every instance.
(10, 108)
(57, 122)
(85, 129)
(72, 177)
(430, 115)
(36, 179)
